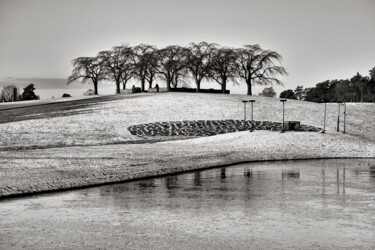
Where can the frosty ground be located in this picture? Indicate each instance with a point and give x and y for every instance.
(86, 142)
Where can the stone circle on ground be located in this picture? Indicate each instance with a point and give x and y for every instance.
(206, 127)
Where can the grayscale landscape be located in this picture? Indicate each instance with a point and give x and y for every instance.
(187, 124)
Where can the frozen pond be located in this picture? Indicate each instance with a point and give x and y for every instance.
(324, 204)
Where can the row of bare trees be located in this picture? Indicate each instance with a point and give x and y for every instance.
(174, 64)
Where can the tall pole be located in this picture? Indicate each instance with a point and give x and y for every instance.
(283, 117)
(344, 116)
(244, 118)
(324, 123)
(338, 119)
(251, 101)
(251, 117)
(282, 125)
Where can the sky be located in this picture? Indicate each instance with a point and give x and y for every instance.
(318, 39)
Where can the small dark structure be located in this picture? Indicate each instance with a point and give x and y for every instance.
(136, 89)
(292, 126)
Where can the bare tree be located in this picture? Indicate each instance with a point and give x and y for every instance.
(118, 64)
(171, 64)
(257, 66)
(10, 93)
(223, 66)
(142, 63)
(198, 61)
(152, 66)
(180, 77)
(88, 68)
(127, 65)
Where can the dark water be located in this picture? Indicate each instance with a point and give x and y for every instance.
(320, 204)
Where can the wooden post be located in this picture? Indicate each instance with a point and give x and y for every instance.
(338, 118)
(324, 122)
(251, 101)
(244, 119)
(282, 125)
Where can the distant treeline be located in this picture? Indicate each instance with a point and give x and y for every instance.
(175, 64)
(356, 89)
(11, 93)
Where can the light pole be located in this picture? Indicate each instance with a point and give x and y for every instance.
(251, 101)
(244, 118)
(324, 122)
(338, 118)
(344, 116)
(282, 125)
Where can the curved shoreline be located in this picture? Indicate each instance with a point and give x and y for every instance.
(151, 176)
(36, 171)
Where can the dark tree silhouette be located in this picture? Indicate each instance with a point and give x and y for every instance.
(257, 66)
(288, 94)
(299, 93)
(268, 92)
(152, 66)
(127, 59)
(28, 93)
(172, 61)
(88, 68)
(223, 66)
(372, 73)
(198, 61)
(118, 64)
(142, 64)
(360, 84)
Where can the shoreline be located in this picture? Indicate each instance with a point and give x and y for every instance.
(37, 171)
(56, 191)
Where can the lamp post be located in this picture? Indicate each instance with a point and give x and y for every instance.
(344, 116)
(324, 122)
(338, 118)
(282, 125)
(244, 118)
(251, 101)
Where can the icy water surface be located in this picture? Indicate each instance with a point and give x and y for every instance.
(319, 204)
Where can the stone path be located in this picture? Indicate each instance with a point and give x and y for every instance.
(205, 127)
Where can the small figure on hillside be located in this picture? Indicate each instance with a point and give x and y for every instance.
(157, 87)
(133, 89)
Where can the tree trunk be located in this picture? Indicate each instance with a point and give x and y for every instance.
(118, 88)
(223, 87)
(143, 85)
(123, 85)
(150, 84)
(168, 85)
(198, 85)
(249, 88)
(95, 87)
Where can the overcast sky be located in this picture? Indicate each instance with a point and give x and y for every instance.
(318, 39)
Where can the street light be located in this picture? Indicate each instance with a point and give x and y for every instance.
(344, 116)
(338, 118)
(324, 123)
(251, 101)
(282, 125)
(244, 118)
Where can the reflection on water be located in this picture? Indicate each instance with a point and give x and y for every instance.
(308, 204)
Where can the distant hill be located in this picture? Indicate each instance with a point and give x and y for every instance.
(40, 83)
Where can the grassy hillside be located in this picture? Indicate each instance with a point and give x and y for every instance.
(45, 130)
(105, 120)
